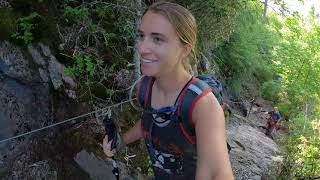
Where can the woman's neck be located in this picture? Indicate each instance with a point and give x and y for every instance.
(171, 83)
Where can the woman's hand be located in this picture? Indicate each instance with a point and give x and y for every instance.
(107, 147)
(132, 135)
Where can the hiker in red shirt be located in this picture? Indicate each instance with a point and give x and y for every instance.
(272, 121)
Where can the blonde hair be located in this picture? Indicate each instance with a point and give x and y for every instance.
(183, 22)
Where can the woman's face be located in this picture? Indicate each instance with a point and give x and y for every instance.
(159, 46)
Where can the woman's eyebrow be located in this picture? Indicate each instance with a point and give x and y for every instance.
(153, 33)
(157, 34)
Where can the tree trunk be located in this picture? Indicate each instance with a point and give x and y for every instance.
(265, 8)
(136, 57)
(305, 116)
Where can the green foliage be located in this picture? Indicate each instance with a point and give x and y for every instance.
(216, 22)
(149, 167)
(82, 65)
(302, 149)
(87, 70)
(81, 15)
(215, 19)
(270, 90)
(106, 26)
(109, 37)
(309, 156)
(297, 60)
(246, 58)
(265, 71)
(25, 26)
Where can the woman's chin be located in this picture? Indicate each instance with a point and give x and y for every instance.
(147, 71)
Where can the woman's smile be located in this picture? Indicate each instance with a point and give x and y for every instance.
(148, 61)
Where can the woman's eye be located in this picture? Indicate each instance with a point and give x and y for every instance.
(140, 36)
(157, 40)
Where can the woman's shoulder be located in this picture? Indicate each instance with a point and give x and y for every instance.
(208, 99)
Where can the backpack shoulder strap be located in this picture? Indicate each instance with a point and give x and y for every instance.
(187, 101)
(144, 89)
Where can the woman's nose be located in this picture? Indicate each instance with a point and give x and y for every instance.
(143, 46)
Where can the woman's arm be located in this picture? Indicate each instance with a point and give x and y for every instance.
(133, 134)
(213, 161)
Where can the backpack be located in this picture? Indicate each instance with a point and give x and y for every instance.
(275, 115)
(191, 93)
(215, 86)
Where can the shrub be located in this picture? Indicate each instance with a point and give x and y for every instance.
(270, 90)
(25, 26)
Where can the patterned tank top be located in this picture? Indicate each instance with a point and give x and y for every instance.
(172, 156)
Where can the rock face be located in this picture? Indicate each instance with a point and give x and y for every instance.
(100, 169)
(37, 171)
(24, 99)
(14, 65)
(97, 168)
(253, 155)
(27, 80)
(24, 106)
(50, 67)
(26, 103)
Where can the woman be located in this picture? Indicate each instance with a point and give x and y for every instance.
(167, 37)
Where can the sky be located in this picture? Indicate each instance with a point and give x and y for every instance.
(302, 8)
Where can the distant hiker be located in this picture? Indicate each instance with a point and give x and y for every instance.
(273, 121)
(178, 150)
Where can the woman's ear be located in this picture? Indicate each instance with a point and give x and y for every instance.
(186, 50)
